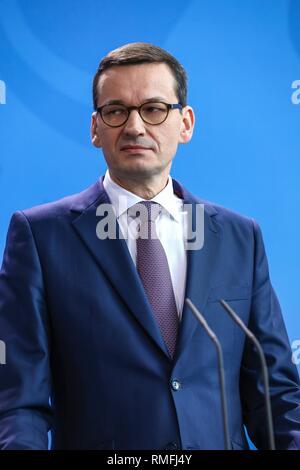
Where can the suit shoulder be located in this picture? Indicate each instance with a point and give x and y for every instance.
(61, 207)
(226, 216)
(218, 213)
(230, 215)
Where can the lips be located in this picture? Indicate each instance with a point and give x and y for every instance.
(134, 147)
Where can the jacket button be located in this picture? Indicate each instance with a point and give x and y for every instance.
(176, 385)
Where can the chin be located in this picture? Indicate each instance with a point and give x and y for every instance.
(141, 170)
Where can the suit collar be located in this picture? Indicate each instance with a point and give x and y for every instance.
(96, 193)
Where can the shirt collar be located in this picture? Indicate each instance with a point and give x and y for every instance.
(122, 199)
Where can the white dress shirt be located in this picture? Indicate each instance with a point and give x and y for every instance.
(170, 227)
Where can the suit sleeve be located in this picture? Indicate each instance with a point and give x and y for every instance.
(267, 324)
(25, 382)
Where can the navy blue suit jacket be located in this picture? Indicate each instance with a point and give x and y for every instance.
(78, 327)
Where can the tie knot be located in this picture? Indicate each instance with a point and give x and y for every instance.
(146, 211)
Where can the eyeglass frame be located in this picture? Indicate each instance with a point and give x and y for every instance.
(138, 108)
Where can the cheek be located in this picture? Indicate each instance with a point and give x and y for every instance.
(109, 137)
(170, 133)
(169, 139)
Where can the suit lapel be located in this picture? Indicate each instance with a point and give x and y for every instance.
(201, 265)
(115, 261)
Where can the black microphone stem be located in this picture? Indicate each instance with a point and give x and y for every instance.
(264, 369)
(215, 340)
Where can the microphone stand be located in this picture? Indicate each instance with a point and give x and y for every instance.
(216, 342)
(264, 370)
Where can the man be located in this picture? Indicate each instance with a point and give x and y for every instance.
(99, 324)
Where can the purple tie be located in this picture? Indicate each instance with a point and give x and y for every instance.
(153, 268)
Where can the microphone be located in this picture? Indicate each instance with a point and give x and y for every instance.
(264, 370)
(216, 342)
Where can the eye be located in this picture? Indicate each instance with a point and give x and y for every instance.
(113, 111)
(151, 109)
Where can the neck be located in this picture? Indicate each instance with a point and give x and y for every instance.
(144, 189)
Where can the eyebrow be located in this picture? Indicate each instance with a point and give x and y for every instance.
(148, 100)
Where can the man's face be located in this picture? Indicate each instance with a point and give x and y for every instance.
(136, 149)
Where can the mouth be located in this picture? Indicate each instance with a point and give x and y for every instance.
(134, 148)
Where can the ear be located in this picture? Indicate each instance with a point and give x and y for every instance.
(95, 135)
(187, 125)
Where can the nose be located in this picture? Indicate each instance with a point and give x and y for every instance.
(134, 125)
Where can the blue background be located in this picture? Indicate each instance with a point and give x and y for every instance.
(241, 57)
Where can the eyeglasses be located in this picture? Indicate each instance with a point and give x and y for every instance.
(154, 113)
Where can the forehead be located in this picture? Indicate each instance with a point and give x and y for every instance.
(135, 83)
